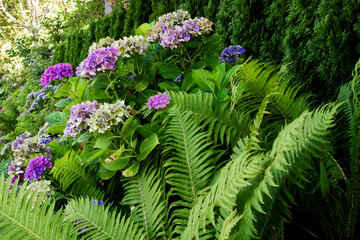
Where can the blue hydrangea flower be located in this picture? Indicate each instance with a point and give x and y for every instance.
(231, 54)
(179, 78)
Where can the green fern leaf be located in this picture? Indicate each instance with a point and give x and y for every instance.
(144, 191)
(73, 176)
(24, 214)
(98, 222)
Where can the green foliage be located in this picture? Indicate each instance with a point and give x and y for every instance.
(98, 222)
(26, 214)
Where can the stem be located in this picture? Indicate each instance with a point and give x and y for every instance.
(137, 66)
(111, 84)
(187, 53)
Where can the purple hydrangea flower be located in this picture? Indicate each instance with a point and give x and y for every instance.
(158, 101)
(172, 37)
(36, 167)
(132, 77)
(58, 71)
(179, 78)
(231, 54)
(98, 61)
(16, 170)
(80, 114)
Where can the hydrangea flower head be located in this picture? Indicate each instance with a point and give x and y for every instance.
(16, 170)
(58, 71)
(103, 42)
(108, 115)
(98, 61)
(158, 101)
(231, 54)
(79, 116)
(174, 28)
(130, 45)
(36, 167)
(179, 78)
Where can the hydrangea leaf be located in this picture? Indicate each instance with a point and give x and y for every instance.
(168, 85)
(143, 29)
(64, 91)
(85, 136)
(105, 174)
(100, 81)
(104, 140)
(118, 160)
(203, 79)
(131, 171)
(56, 117)
(169, 71)
(64, 102)
(147, 146)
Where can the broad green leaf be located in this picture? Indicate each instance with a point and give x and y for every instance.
(97, 94)
(131, 171)
(104, 140)
(85, 136)
(212, 61)
(125, 70)
(97, 153)
(56, 117)
(212, 44)
(143, 29)
(169, 86)
(64, 102)
(104, 173)
(100, 81)
(64, 91)
(56, 128)
(118, 160)
(141, 83)
(203, 78)
(169, 71)
(147, 146)
(129, 127)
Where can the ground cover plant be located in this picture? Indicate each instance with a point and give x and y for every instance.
(166, 135)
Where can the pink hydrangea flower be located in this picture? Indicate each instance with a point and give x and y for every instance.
(158, 101)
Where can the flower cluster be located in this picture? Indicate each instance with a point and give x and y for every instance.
(130, 45)
(98, 61)
(36, 167)
(179, 78)
(158, 101)
(58, 71)
(42, 186)
(37, 97)
(174, 28)
(79, 116)
(16, 170)
(231, 54)
(25, 147)
(102, 43)
(108, 115)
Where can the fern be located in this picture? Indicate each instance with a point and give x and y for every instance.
(145, 192)
(257, 180)
(221, 123)
(98, 222)
(189, 160)
(24, 214)
(73, 176)
(255, 81)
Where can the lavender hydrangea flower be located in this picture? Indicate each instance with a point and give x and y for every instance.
(98, 61)
(132, 77)
(231, 54)
(79, 116)
(174, 28)
(58, 71)
(16, 170)
(36, 167)
(158, 101)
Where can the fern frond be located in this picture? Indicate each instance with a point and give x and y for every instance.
(189, 163)
(98, 222)
(222, 124)
(255, 81)
(24, 214)
(73, 176)
(146, 193)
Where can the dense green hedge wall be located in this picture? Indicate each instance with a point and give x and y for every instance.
(319, 41)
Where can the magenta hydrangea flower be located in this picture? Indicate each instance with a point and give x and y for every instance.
(58, 71)
(98, 61)
(36, 167)
(80, 114)
(158, 101)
